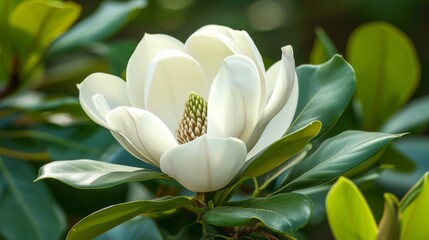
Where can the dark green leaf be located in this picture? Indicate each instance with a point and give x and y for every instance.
(387, 71)
(324, 92)
(28, 211)
(280, 151)
(136, 228)
(284, 212)
(90, 174)
(323, 48)
(108, 19)
(349, 215)
(191, 232)
(413, 115)
(389, 223)
(343, 154)
(107, 218)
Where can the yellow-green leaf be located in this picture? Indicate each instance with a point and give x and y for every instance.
(389, 224)
(348, 213)
(387, 71)
(414, 215)
(35, 24)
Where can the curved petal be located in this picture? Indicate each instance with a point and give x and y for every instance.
(99, 93)
(205, 164)
(143, 55)
(234, 99)
(281, 78)
(283, 82)
(142, 131)
(172, 77)
(210, 47)
(279, 124)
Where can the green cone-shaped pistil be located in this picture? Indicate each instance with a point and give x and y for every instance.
(194, 120)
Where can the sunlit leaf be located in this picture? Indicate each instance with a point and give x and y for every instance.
(414, 209)
(280, 151)
(348, 213)
(105, 21)
(389, 224)
(107, 218)
(387, 71)
(32, 35)
(411, 116)
(28, 211)
(284, 212)
(90, 174)
(323, 48)
(351, 151)
(324, 92)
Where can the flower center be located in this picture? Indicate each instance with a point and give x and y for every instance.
(194, 120)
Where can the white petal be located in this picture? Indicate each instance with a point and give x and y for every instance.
(281, 76)
(279, 124)
(99, 93)
(144, 131)
(234, 99)
(205, 164)
(171, 78)
(209, 47)
(143, 55)
(283, 83)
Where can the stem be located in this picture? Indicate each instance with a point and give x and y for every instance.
(257, 189)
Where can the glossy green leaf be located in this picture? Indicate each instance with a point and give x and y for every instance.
(28, 211)
(324, 92)
(90, 174)
(104, 22)
(348, 213)
(388, 228)
(136, 228)
(415, 211)
(411, 116)
(107, 218)
(284, 212)
(339, 155)
(32, 35)
(323, 48)
(387, 71)
(280, 151)
(189, 232)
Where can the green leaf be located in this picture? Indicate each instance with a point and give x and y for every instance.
(32, 35)
(90, 174)
(190, 232)
(401, 162)
(284, 212)
(107, 218)
(323, 48)
(345, 153)
(348, 213)
(104, 22)
(28, 211)
(136, 228)
(387, 71)
(280, 151)
(413, 115)
(389, 224)
(414, 210)
(324, 92)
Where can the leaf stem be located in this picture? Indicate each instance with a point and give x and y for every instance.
(257, 189)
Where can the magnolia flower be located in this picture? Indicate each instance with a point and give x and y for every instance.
(197, 110)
